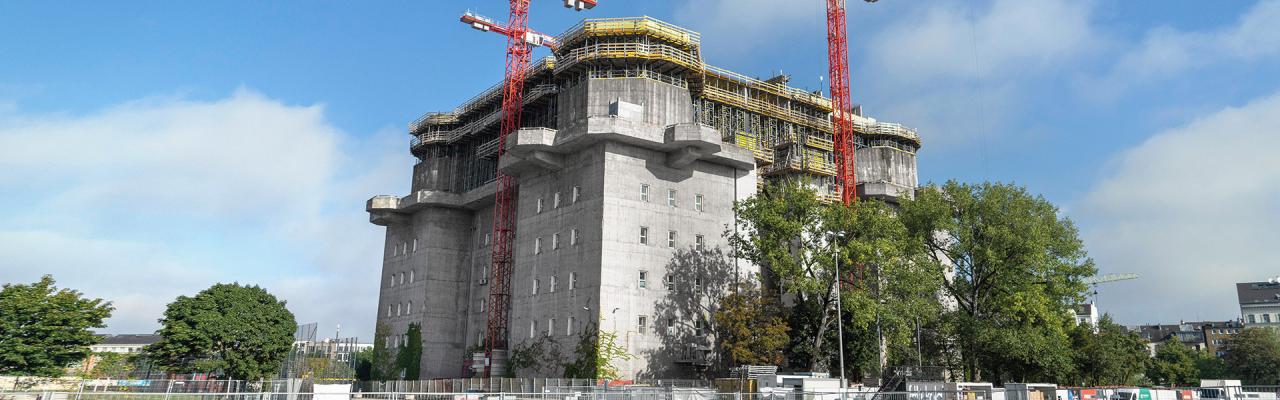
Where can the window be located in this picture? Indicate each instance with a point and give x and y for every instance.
(671, 238)
(399, 308)
(395, 250)
(573, 237)
(555, 200)
(573, 280)
(391, 282)
(539, 205)
(1252, 320)
(697, 202)
(1266, 318)
(641, 324)
(533, 328)
(535, 286)
(671, 197)
(483, 303)
(404, 248)
(577, 192)
(408, 308)
(670, 282)
(644, 192)
(568, 327)
(644, 279)
(551, 324)
(699, 327)
(415, 245)
(552, 289)
(388, 310)
(401, 278)
(698, 242)
(555, 241)
(537, 245)
(697, 283)
(486, 238)
(644, 235)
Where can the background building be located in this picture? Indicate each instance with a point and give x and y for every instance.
(1260, 303)
(632, 155)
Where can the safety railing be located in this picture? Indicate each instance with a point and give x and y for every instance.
(761, 107)
(648, 51)
(771, 87)
(647, 26)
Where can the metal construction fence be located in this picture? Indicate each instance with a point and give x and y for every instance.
(633, 394)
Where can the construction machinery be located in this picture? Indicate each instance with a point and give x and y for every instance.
(520, 43)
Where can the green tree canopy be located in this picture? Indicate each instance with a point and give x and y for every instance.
(409, 357)
(1014, 269)
(1253, 355)
(1174, 365)
(1111, 356)
(44, 329)
(752, 330)
(239, 332)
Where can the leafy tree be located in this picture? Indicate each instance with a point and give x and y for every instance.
(381, 359)
(1254, 356)
(364, 365)
(752, 330)
(539, 356)
(1112, 356)
(803, 242)
(1013, 266)
(239, 332)
(1211, 366)
(596, 351)
(409, 356)
(1174, 365)
(111, 365)
(44, 329)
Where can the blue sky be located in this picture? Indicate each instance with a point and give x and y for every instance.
(149, 149)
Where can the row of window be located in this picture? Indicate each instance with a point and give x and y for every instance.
(1265, 318)
(404, 248)
(555, 199)
(394, 341)
(555, 241)
(668, 282)
(699, 241)
(399, 279)
(642, 326)
(400, 309)
(553, 284)
(672, 194)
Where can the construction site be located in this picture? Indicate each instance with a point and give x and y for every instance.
(628, 151)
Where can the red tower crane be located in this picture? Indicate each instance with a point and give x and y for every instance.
(841, 105)
(520, 42)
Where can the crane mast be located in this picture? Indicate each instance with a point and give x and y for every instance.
(841, 105)
(520, 42)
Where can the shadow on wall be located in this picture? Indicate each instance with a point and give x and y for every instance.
(695, 283)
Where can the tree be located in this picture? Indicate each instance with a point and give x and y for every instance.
(1112, 356)
(1174, 365)
(111, 365)
(409, 357)
(803, 242)
(539, 357)
(752, 330)
(1253, 355)
(44, 329)
(1211, 366)
(379, 362)
(596, 351)
(1014, 268)
(233, 331)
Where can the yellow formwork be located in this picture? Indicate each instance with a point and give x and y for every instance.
(819, 143)
(762, 154)
(764, 108)
(816, 161)
(634, 26)
(646, 51)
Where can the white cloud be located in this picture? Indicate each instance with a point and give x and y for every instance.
(1166, 53)
(1193, 210)
(146, 200)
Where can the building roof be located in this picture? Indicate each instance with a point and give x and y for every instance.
(124, 340)
(1258, 293)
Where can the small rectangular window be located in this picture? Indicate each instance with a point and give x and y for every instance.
(697, 202)
(670, 282)
(671, 197)
(537, 245)
(644, 279)
(1252, 320)
(395, 250)
(671, 238)
(1266, 318)
(577, 192)
(410, 276)
(408, 308)
(553, 284)
(482, 305)
(391, 282)
(555, 200)
(539, 211)
(642, 324)
(555, 241)
(573, 280)
(699, 242)
(535, 286)
(388, 310)
(644, 192)
(401, 278)
(399, 309)
(486, 238)
(573, 237)
(644, 235)
(697, 282)
(415, 245)
(568, 327)
(533, 328)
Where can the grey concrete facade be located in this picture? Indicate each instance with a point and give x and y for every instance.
(580, 260)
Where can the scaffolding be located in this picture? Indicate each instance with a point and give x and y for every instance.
(788, 130)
